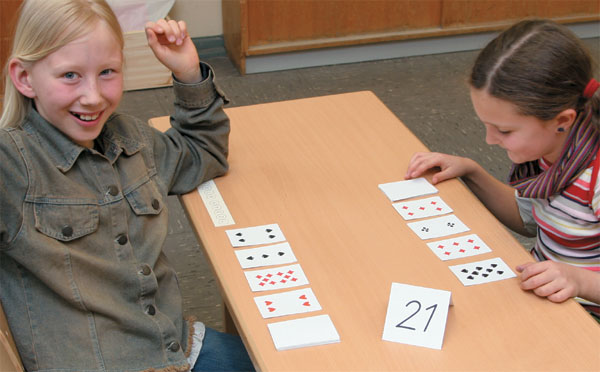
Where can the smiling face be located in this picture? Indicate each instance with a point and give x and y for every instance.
(525, 138)
(77, 87)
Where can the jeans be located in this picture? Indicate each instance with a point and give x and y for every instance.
(222, 352)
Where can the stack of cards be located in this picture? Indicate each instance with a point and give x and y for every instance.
(303, 332)
(436, 221)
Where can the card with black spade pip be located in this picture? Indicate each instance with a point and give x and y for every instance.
(481, 272)
(438, 227)
(276, 254)
(256, 235)
(287, 303)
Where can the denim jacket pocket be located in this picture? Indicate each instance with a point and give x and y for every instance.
(145, 199)
(66, 222)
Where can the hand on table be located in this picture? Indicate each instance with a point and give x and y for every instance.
(554, 280)
(450, 166)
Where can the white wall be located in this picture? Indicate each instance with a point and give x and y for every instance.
(203, 17)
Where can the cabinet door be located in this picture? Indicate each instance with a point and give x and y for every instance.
(468, 13)
(8, 20)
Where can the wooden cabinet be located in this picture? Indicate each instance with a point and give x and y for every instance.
(260, 27)
(8, 15)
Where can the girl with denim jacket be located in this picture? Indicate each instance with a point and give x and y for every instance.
(83, 279)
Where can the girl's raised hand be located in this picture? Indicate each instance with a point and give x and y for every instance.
(450, 166)
(174, 48)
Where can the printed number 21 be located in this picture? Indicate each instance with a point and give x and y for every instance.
(432, 307)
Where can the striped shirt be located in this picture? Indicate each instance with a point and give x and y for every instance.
(568, 224)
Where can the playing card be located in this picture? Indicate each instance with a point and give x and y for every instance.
(287, 303)
(461, 246)
(438, 227)
(276, 278)
(428, 207)
(276, 254)
(407, 189)
(482, 271)
(311, 331)
(256, 235)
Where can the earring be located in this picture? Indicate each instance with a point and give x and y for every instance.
(561, 129)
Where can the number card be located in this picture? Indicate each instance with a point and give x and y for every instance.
(416, 316)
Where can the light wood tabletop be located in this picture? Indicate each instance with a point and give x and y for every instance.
(313, 166)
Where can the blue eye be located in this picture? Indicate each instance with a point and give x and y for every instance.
(108, 71)
(70, 75)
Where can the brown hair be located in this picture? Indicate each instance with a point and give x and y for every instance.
(539, 66)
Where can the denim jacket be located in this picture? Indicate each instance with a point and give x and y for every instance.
(83, 279)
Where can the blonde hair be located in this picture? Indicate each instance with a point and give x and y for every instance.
(45, 26)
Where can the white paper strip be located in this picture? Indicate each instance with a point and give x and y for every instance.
(215, 205)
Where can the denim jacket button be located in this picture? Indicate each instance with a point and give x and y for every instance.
(67, 231)
(122, 239)
(155, 204)
(174, 346)
(146, 270)
(151, 310)
(113, 190)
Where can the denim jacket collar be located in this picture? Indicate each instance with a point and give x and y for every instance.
(64, 152)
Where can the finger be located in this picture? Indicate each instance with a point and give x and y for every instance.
(175, 31)
(532, 269)
(561, 295)
(442, 176)
(522, 267)
(420, 164)
(158, 27)
(182, 30)
(536, 280)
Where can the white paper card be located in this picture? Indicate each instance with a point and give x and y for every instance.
(276, 254)
(480, 272)
(421, 208)
(255, 235)
(215, 205)
(276, 278)
(416, 315)
(459, 247)
(438, 227)
(287, 303)
(407, 189)
(303, 332)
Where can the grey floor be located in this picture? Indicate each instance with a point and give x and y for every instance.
(429, 94)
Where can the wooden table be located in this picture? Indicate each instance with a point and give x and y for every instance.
(313, 166)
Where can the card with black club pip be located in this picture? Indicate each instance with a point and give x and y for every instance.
(287, 303)
(276, 278)
(256, 235)
(438, 227)
(482, 272)
(269, 255)
(459, 247)
(428, 207)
